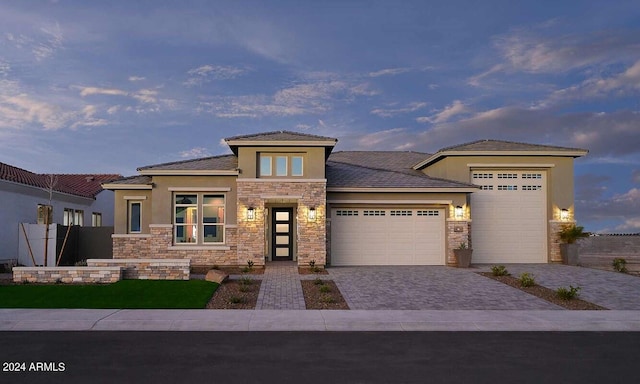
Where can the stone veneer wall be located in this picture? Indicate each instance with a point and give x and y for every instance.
(554, 239)
(159, 245)
(458, 231)
(67, 274)
(147, 269)
(311, 236)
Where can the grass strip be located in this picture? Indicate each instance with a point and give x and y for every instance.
(125, 294)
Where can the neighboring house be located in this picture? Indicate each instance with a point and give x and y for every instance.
(76, 199)
(286, 196)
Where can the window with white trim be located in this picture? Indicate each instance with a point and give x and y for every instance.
(78, 217)
(96, 219)
(67, 217)
(198, 218)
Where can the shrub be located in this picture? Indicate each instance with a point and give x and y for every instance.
(318, 281)
(325, 289)
(327, 299)
(567, 293)
(245, 280)
(527, 280)
(250, 264)
(571, 232)
(236, 300)
(620, 265)
(499, 270)
(244, 288)
(312, 266)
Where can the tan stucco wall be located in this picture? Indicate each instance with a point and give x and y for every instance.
(120, 207)
(313, 163)
(560, 191)
(344, 199)
(162, 196)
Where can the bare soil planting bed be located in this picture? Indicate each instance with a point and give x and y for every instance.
(240, 270)
(315, 298)
(544, 293)
(233, 294)
(308, 271)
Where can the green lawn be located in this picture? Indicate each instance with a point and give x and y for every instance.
(123, 294)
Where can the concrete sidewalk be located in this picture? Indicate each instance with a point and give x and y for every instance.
(315, 320)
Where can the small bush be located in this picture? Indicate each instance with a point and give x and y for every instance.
(245, 280)
(327, 299)
(312, 266)
(250, 264)
(620, 265)
(527, 280)
(318, 281)
(236, 300)
(567, 293)
(244, 288)
(325, 289)
(245, 270)
(499, 270)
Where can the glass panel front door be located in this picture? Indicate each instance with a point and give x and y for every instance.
(282, 234)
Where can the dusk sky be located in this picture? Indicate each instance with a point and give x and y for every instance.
(109, 86)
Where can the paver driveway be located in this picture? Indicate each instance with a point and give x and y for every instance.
(428, 287)
(437, 287)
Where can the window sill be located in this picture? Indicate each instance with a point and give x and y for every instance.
(196, 247)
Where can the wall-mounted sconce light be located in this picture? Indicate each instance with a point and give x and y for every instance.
(311, 214)
(251, 213)
(564, 214)
(458, 212)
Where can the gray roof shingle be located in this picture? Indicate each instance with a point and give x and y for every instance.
(280, 136)
(133, 180)
(395, 161)
(218, 163)
(500, 145)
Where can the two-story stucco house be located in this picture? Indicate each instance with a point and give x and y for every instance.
(289, 196)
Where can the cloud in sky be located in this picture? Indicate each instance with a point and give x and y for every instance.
(136, 78)
(389, 112)
(89, 91)
(454, 109)
(207, 73)
(624, 207)
(389, 72)
(195, 153)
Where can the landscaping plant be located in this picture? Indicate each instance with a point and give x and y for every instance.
(570, 233)
(567, 293)
(499, 270)
(527, 280)
(620, 265)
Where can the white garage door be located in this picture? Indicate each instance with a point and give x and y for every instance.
(374, 236)
(509, 217)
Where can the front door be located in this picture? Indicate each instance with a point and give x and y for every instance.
(282, 234)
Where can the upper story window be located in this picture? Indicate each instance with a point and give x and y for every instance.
(281, 165)
(198, 218)
(96, 219)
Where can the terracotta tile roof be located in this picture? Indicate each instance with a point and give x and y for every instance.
(85, 185)
(218, 163)
(500, 145)
(280, 136)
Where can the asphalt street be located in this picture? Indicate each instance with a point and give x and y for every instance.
(319, 357)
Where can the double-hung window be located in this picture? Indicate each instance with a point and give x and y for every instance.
(198, 218)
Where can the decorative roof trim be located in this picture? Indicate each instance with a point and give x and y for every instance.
(112, 186)
(281, 143)
(392, 189)
(394, 202)
(510, 165)
(436, 157)
(199, 189)
(188, 172)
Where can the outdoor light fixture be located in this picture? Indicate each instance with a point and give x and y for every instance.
(458, 212)
(564, 214)
(251, 213)
(312, 214)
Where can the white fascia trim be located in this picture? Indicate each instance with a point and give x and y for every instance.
(258, 143)
(130, 236)
(439, 155)
(199, 189)
(394, 202)
(275, 180)
(267, 197)
(193, 172)
(510, 165)
(433, 190)
(127, 186)
(199, 247)
(134, 197)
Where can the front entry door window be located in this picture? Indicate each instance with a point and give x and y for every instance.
(282, 238)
